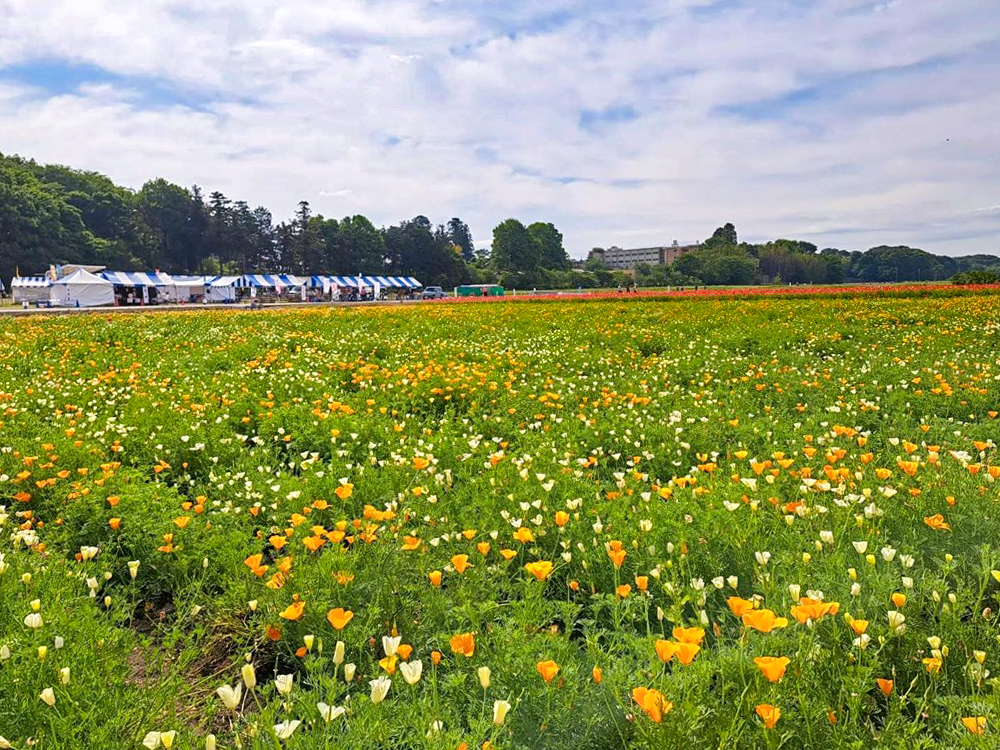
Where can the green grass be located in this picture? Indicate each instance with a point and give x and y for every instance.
(735, 448)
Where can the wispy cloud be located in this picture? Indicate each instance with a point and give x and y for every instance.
(844, 122)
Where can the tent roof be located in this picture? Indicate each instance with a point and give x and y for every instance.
(223, 281)
(269, 280)
(82, 278)
(24, 282)
(136, 278)
(397, 282)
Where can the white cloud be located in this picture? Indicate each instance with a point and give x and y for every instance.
(827, 121)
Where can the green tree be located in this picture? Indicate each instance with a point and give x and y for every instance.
(362, 245)
(549, 240)
(37, 224)
(724, 236)
(307, 251)
(412, 249)
(459, 234)
(167, 210)
(514, 251)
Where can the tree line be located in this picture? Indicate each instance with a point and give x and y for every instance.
(724, 260)
(52, 214)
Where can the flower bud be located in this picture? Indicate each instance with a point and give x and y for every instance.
(249, 676)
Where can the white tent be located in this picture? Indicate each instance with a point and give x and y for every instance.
(186, 288)
(82, 289)
(30, 289)
(221, 288)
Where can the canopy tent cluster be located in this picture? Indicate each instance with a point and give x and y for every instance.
(356, 282)
(84, 289)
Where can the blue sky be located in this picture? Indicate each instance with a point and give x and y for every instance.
(847, 123)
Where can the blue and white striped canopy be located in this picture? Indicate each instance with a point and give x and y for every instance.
(268, 281)
(354, 282)
(189, 280)
(29, 282)
(222, 280)
(395, 282)
(136, 278)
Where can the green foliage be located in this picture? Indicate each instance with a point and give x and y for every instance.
(976, 277)
(53, 214)
(514, 251)
(550, 244)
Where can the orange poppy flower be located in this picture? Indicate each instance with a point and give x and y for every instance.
(344, 491)
(937, 522)
(772, 667)
(524, 535)
(598, 674)
(339, 617)
(763, 620)
(616, 554)
(686, 652)
(975, 724)
(623, 590)
(463, 644)
(665, 650)
(293, 611)
(652, 703)
(548, 670)
(254, 563)
(435, 576)
(389, 663)
(461, 563)
(738, 606)
(508, 553)
(410, 543)
(810, 609)
(540, 569)
(313, 543)
(769, 714)
(689, 635)
(885, 686)
(562, 518)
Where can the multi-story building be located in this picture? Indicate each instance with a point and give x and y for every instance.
(617, 257)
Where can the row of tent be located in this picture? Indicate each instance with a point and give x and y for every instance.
(84, 289)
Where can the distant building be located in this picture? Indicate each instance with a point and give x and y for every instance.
(617, 257)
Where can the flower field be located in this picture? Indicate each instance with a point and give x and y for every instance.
(694, 523)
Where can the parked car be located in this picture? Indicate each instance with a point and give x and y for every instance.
(433, 292)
